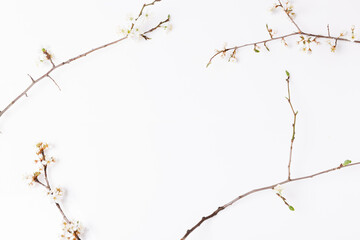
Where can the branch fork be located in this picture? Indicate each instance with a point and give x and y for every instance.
(347, 163)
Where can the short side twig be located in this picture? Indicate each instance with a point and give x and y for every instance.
(54, 82)
(289, 16)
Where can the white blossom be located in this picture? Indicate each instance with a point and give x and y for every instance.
(71, 230)
(56, 195)
(278, 189)
(168, 28)
(30, 179)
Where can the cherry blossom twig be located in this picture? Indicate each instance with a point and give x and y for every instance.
(154, 28)
(72, 230)
(306, 38)
(347, 163)
(49, 57)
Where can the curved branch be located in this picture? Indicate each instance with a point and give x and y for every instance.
(54, 66)
(221, 208)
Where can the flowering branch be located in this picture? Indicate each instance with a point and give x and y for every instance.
(277, 186)
(130, 32)
(71, 230)
(306, 38)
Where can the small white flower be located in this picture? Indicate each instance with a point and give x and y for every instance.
(56, 195)
(47, 161)
(168, 28)
(273, 8)
(278, 189)
(233, 59)
(144, 17)
(30, 179)
(130, 18)
(71, 230)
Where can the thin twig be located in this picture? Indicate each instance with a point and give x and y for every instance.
(54, 66)
(54, 82)
(154, 28)
(31, 78)
(289, 16)
(284, 199)
(293, 124)
(144, 6)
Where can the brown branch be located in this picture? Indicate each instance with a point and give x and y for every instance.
(293, 124)
(54, 66)
(283, 37)
(144, 6)
(221, 208)
(54, 82)
(31, 78)
(42, 184)
(284, 199)
(154, 28)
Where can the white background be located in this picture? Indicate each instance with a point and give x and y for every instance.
(148, 140)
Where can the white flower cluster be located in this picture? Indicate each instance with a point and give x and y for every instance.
(288, 7)
(135, 27)
(56, 195)
(30, 179)
(71, 230)
(307, 42)
(41, 163)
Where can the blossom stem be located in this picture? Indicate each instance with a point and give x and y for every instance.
(48, 187)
